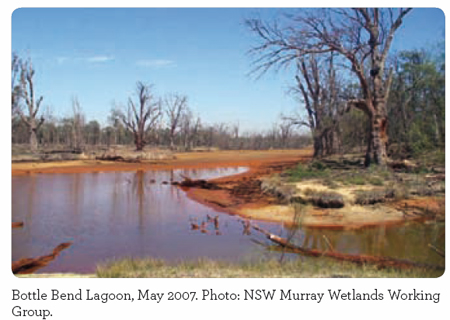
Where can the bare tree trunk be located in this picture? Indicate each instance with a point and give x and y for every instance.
(139, 142)
(33, 140)
(379, 122)
(318, 146)
(436, 131)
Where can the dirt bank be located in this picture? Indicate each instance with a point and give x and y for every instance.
(243, 195)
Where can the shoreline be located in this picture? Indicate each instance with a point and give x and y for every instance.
(241, 194)
(188, 160)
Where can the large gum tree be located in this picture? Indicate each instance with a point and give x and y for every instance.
(361, 36)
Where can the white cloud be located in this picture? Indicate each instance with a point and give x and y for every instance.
(99, 59)
(155, 63)
(61, 60)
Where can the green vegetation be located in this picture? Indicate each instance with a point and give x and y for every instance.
(333, 175)
(312, 171)
(309, 268)
(422, 177)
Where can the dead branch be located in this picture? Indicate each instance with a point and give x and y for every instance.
(438, 251)
(380, 262)
(30, 265)
(17, 225)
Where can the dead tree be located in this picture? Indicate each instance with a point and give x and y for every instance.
(318, 90)
(190, 127)
(15, 87)
(138, 119)
(78, 124)
(175, 106)
(356, 35)
(285, 128)
(32, 106)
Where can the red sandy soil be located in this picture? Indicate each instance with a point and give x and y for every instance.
(193, 160)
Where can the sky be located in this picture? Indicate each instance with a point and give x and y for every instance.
(98, 55)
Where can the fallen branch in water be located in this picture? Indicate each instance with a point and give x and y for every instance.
(381, 262)
(17, 225)
(30, 265)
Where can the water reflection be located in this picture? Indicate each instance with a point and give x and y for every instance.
(133, 214)
(119, 214)
(409, 241)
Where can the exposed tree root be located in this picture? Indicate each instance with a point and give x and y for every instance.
(30, 265)
(380, 262)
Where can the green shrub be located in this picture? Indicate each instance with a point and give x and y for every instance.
(376, 181)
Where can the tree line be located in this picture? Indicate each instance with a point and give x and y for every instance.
(145, 120)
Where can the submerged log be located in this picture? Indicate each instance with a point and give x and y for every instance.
(381, 262)
(30, 265)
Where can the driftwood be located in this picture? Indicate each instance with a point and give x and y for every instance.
(381, 262)
(30, 265)
(17, 225)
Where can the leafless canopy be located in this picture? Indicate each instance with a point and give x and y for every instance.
(15, 87)
(175, 105)
(142, 115)
(355, 34)
(26, 93)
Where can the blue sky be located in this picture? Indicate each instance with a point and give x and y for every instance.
(98, 55)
